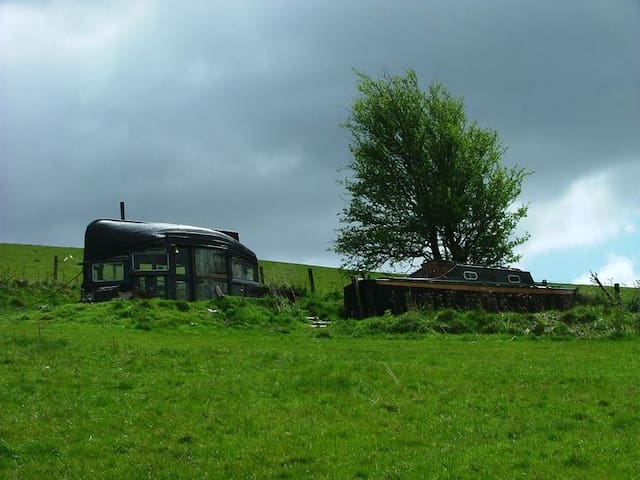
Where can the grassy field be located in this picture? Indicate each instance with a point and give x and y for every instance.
(91, 394)
(36, 262)
(326, 279)
(246, 388)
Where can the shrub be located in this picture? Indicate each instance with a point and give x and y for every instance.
(266, 312)
(452, 321)
(539, 327)
(328, 306)
(633, 305)
(579, 315)
(182, 306)
(480, 321)
(590, 297)
(560, 329)
(409, 322)
(16, 302)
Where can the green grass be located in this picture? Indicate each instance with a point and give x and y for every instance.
(35, 262)
(326, 279)
(88, 392)
(245, 388)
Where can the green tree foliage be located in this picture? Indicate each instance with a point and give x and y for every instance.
(425, 182)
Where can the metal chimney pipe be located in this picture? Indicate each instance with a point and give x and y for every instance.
(122, 211)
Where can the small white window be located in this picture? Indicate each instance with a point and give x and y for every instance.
(469, 275)
(514, 278)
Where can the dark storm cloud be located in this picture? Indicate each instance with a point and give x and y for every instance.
(227, 115)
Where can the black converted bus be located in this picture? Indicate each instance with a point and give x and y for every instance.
(124, 258)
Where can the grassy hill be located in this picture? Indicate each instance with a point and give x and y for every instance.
(35, 263)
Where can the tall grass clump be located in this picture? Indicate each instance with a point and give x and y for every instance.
(633, 300)
(16, 293)
(269, 312)
(327, 306)
(583, 321)
(228, 312)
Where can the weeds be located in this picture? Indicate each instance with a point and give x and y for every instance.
(46, 301)
(580, 322)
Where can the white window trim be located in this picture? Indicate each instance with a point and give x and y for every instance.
(470, 275)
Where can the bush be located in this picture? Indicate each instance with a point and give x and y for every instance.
(539, 327)
(183, 306)
(589, 297)
(452, 321)
(558, 329)
(265, 312)
(327, 306)
(579, 315)
(633, 305)
(410, 322)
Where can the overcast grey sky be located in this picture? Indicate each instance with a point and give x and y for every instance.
(226, 114)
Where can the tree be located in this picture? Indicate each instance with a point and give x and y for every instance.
(425, 182)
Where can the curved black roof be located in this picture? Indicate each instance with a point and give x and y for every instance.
(106, 238)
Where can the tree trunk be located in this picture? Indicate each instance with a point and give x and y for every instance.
(433, 244)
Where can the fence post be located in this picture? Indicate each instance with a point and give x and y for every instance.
(261, 274)
(55, 268)
(312, 283)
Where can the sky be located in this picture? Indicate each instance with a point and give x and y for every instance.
(227, 115)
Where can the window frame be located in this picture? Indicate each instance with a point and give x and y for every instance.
(470, 275)
(245, 267)
(155, 271)
(215, 275)
(121, 263)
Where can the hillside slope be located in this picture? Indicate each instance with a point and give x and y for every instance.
(35, 263)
